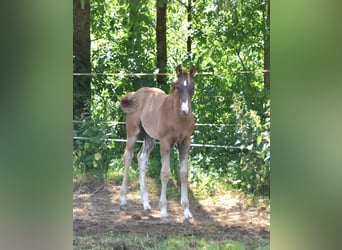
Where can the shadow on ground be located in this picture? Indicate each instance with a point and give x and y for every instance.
(227, 216)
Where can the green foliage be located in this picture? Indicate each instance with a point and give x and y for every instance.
(246, 164)
(252, 171)
(92, 153)
(122, 38)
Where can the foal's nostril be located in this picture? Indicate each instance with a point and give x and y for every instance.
(184, 112)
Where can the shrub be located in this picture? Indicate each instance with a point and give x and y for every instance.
(252, 169)
(93, 152)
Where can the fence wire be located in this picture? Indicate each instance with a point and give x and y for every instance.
(163, 74)
(114, 123)
(139, 141)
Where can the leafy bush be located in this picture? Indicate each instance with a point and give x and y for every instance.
(93, 152)
(245, 162)
(252, 171)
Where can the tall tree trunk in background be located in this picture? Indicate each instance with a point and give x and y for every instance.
(161, 41)
(267, 82)
(188, 42)
(81, 53)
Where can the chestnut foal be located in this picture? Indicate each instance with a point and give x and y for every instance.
(169, 119)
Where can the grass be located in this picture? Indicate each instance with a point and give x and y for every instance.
(171, 243)
(195, 243)
(201, 188)
(199, 191)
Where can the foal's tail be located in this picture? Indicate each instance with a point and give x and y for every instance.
(128, 103)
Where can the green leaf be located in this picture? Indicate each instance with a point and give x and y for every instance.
(97, 156)
(244, 168)
(259, 139)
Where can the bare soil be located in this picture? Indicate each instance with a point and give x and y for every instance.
(226, 216)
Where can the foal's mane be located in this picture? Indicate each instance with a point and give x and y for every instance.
(184, 72)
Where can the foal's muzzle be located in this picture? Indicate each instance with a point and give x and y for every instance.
(185, 108)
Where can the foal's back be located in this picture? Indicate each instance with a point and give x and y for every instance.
(157, 114)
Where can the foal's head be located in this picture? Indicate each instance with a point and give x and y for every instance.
(185, 86)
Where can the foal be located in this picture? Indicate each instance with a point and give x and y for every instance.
(169, 119)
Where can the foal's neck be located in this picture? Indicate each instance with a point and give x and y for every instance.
(174, 101)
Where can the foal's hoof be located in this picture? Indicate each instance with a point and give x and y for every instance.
(188, 220)
(123, 207)
(147, 212)
(164, 219)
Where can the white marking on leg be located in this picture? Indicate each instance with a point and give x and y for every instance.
(187, 214)
(144, 197)
(128, 155)
(163, 213)
(164, 176)
(142, 162)
(184, 189)
(163, 200)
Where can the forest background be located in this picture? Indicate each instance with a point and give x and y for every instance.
(120, 46)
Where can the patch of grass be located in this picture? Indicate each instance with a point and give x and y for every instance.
(112, 242)
(207, 186)
(196, 243)
(263, 248)
(171, 243)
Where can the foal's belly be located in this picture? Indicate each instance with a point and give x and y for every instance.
(150, 130)
(150, 122)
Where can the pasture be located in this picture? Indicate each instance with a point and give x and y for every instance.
(227, 220)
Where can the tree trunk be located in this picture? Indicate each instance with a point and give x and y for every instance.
(188, 42)
(81, 53)
(267, 82)
(161, 41)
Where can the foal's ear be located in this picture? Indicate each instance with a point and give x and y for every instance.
(192, 70)
(179, 70)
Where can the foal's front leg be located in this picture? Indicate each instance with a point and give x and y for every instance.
(183, 158)
(164, 176)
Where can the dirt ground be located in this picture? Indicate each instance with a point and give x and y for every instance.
(226, 216)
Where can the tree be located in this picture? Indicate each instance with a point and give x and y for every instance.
(189, 19)
(267, 45)
(81, 54)
(161, 41)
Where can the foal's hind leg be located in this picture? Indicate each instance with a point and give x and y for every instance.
(183, 158)
(133, 130)
(143, 156)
